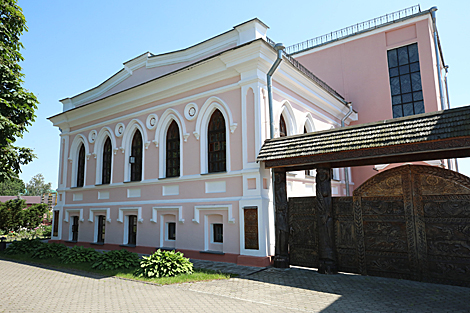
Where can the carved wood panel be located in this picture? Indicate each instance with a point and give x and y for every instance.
(303, 239)
(251, 228)
(410, 222)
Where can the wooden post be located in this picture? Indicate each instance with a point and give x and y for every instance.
(326, 244)
(281, 258)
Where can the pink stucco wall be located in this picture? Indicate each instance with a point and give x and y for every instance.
(358, 69)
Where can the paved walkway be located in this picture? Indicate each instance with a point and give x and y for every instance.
(27, 288)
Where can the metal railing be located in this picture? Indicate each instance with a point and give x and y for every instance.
(306, 72)
(354, 29)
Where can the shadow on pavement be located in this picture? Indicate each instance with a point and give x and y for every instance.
(58, 269)
(367, 293)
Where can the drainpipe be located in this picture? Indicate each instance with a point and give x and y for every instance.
(447, 87)
(438, 56)
(278, 47)
(346, 169)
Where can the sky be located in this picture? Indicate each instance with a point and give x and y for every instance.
(73, 46)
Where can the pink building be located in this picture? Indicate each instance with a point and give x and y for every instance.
(163, 153)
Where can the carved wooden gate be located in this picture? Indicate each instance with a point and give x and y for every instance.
(410, 222)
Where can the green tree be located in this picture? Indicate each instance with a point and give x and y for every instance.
(11, 214)
(37, 186)
(12, 187)
(17, 105)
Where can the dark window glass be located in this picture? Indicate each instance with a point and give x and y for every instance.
(405, 81)
(81, 166)
(282, 127)
(136, 157)
(55, 232)
(107, 154)
(171, 231)
(173, 151)
(218, 232)
(307, 172)
(101, 228)
(132, 232)
(75, 228)
(216, 143)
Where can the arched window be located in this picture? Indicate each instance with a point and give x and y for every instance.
(282, 127)
(136, 157)
(216, 143)
(307, 172)
(173, 150)
(107, 154)
(81, 166)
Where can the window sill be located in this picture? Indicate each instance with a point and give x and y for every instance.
(175, 177)
(212, 252)
(97, 243)
(101, 184)
(76, 187)
(165, 248)
(132, 181)
(224, 172)
(70, 241)
(129, 246)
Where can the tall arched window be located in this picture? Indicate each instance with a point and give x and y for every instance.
(81, 166)
(282, 127)
(173, 150)
(216, 143)
(136, 157)
(107, 154)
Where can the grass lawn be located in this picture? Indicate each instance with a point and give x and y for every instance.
(198, 274)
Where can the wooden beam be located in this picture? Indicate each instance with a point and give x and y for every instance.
(281, 257)
(325, 223)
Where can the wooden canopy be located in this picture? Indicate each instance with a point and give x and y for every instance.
(421, 137)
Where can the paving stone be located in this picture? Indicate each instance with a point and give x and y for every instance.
(29, 288)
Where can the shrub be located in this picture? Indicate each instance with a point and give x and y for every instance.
(49, 251)
(113, 260)
(24, 246)
(164, 264)
(79, 254)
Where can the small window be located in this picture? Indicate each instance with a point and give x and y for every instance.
(81, 166)
(282, 127)
(107, 154)
(171, 226)
(136, 157)
(173, 151)
(74, 228)
(101, 228)
(132, 230)
(218, 233)
(216, 143)
(55, 231)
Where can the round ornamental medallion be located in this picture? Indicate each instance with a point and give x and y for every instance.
(92, 136)
(190, 111)
(152, 120)
(119, 129)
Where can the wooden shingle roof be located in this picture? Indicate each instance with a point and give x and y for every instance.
(416, 134)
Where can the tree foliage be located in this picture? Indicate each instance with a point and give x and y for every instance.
(14, 214)
(17, 105)
(37, 186)
(12, 187)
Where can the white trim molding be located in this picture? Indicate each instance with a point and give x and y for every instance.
(155, 210)
(104, 133)
(121, 213)
(213, 207)
(68, 211)
(93, 211)
(126, 143)
(74, 151)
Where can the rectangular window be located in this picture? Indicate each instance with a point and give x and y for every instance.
(405, 81)
(218, 233)
(132, 232)
(55, 231)
(101, 228)
(171, 226)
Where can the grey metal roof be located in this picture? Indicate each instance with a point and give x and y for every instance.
(425, 127)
